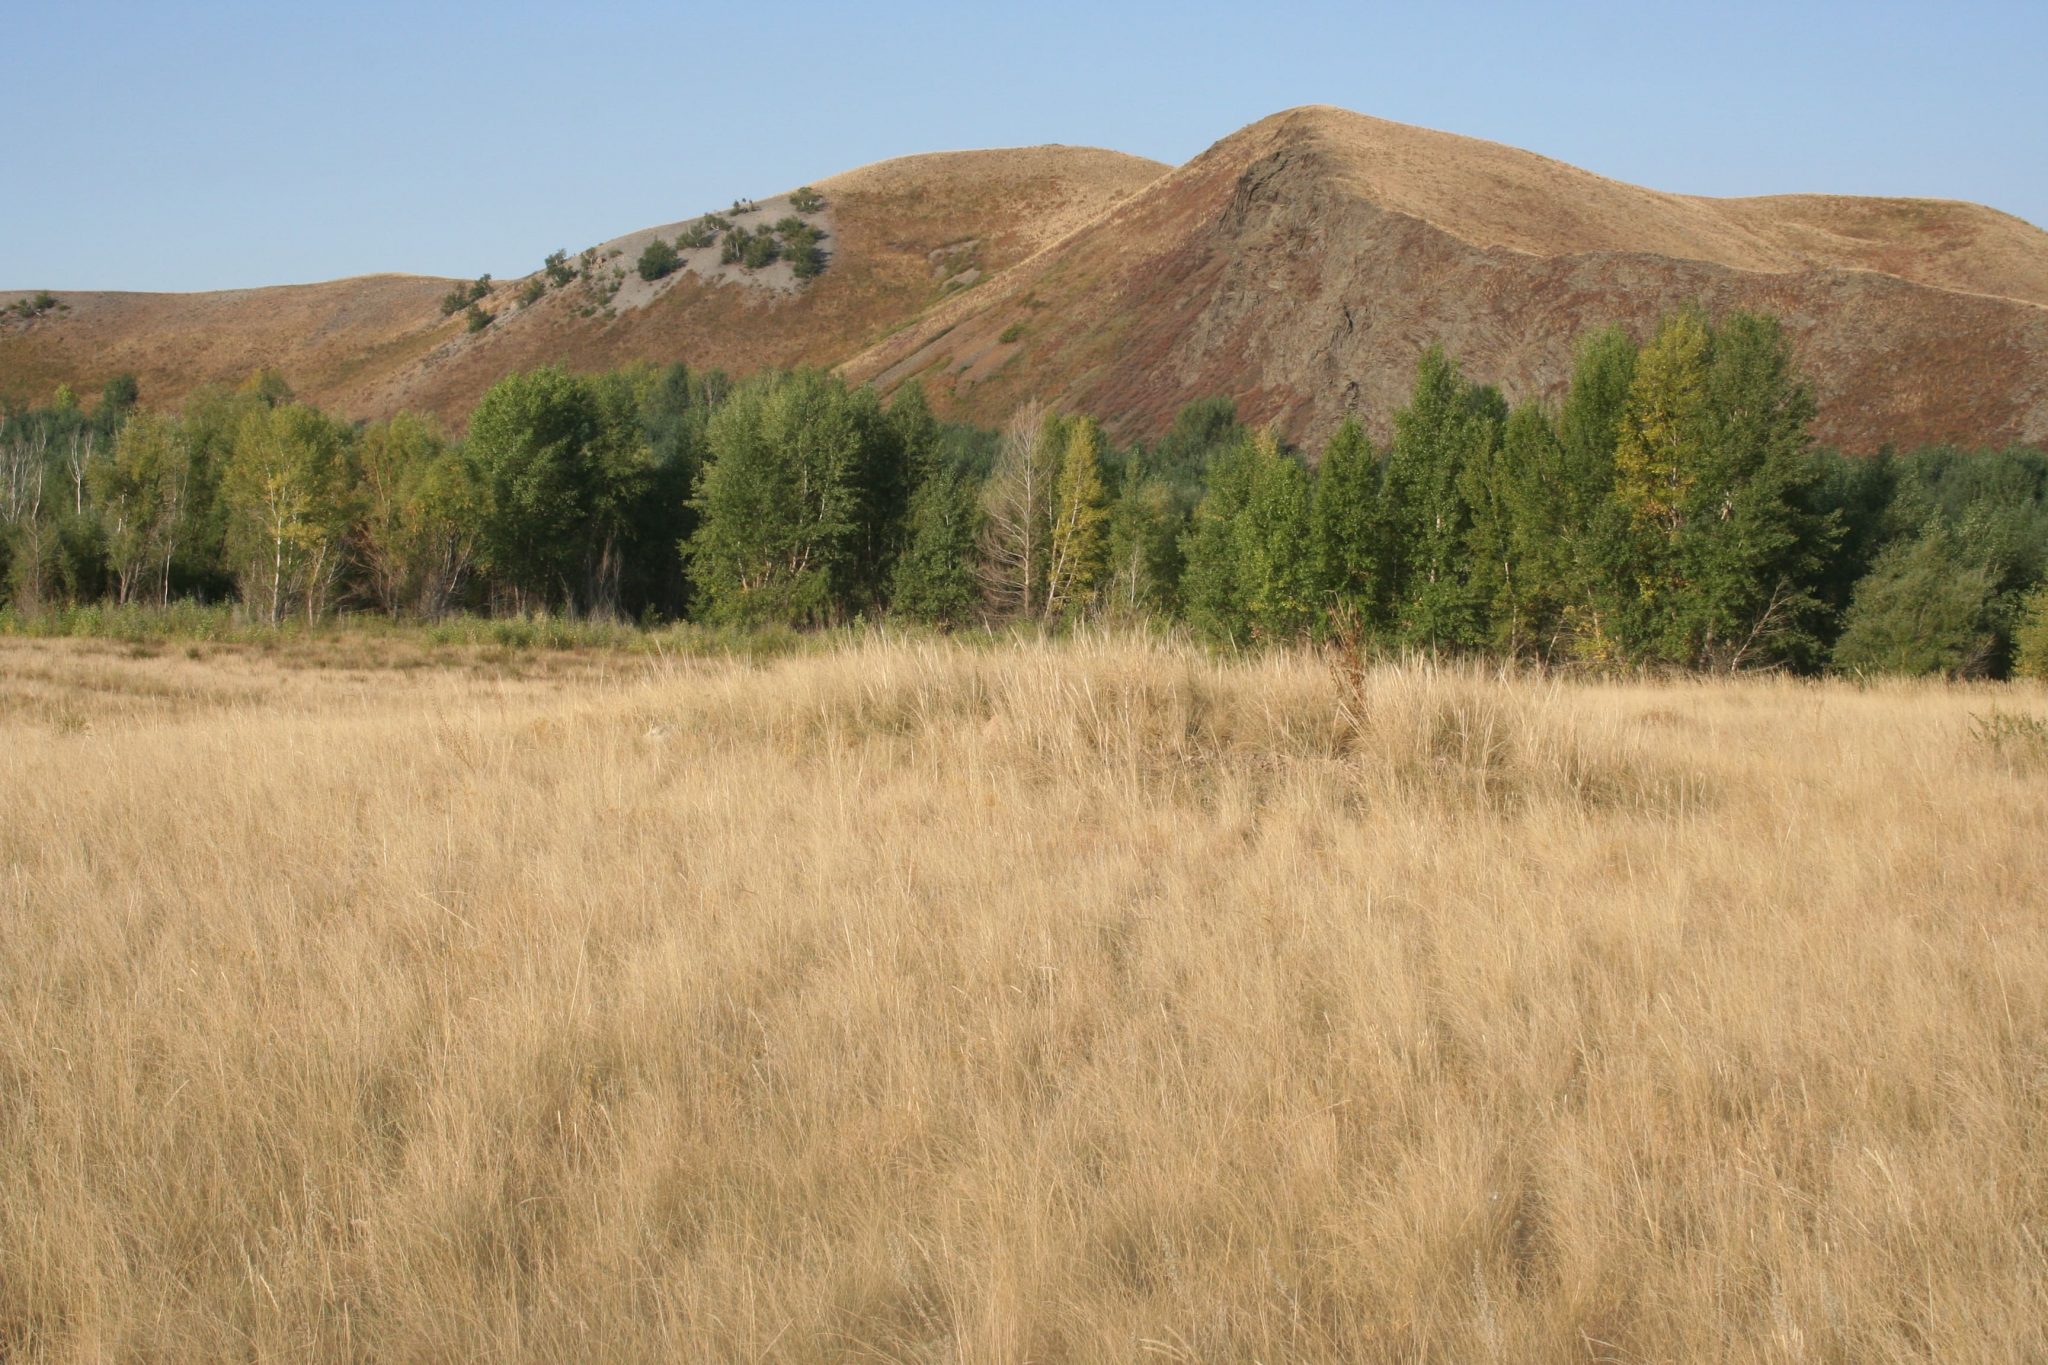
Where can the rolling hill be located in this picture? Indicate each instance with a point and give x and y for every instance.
(1298, 266)
(1302, 263)
(901, 235)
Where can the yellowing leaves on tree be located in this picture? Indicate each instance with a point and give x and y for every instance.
(1659, 452)
(1080, 522)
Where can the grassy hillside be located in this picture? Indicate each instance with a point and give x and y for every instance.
(1084, 1001)
(903, 235)
(1297, 267)
(1299, 264)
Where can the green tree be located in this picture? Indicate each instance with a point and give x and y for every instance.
(1211, 583)
(779, 503)
(934, 580)
(118, 397)
(1596, 581)
(288, 488)
(1661, 444)
(401, 538)
(1348, 528)
(1539, 512)
(1923, 608)
(883, 476)
(1143, 553)
(1251, 568)
(620, 478)
(2031, 637)
(1276, 569)
(675, 409)
(1659, 452)
(1446, 426)
(529, 436)
(139, 489)
(1752, 551)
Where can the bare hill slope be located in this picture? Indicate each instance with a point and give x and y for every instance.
(1300, 264)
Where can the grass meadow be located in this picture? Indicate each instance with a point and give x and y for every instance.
(1088, 1000)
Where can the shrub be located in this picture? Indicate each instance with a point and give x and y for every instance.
(800, 247)
(530, 292)
(462, 296)
(477, 319)
(558, 268)
(716, 222)
(1011, 333)
(749, 249)
(36, 304)
(697, 236)
(806, 200)
(658, 259)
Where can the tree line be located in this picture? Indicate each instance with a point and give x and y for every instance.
(1670, 510)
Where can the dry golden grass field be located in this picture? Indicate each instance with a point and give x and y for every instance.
(1091, 1001)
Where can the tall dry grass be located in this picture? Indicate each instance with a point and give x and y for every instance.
(1095, 1001)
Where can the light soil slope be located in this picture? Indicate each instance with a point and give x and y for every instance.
(1301, 264)
(902, 236)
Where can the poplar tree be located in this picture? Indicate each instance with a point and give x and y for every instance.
(1538, 533)
(1348, 529)
(392, 459)
(1595, 584)
(779, 503)
(1753, 551)
(530, 436)
(1712, 475)
(289, 489)
(1018, 510)
(1275, 569)
(1144, 563)
(1075, 544)
(140, 490)
(1659, 451)
(934, 579)
(1210, 588)
(1446, 426)
(1251, 571)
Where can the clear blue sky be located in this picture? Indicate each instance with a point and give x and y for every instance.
(166, 146)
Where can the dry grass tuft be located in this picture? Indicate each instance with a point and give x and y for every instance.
(1079, 1001)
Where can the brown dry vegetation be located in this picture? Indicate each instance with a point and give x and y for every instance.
(369, 347)
(1301, 265)
(1083, 1001)
(327, 338)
